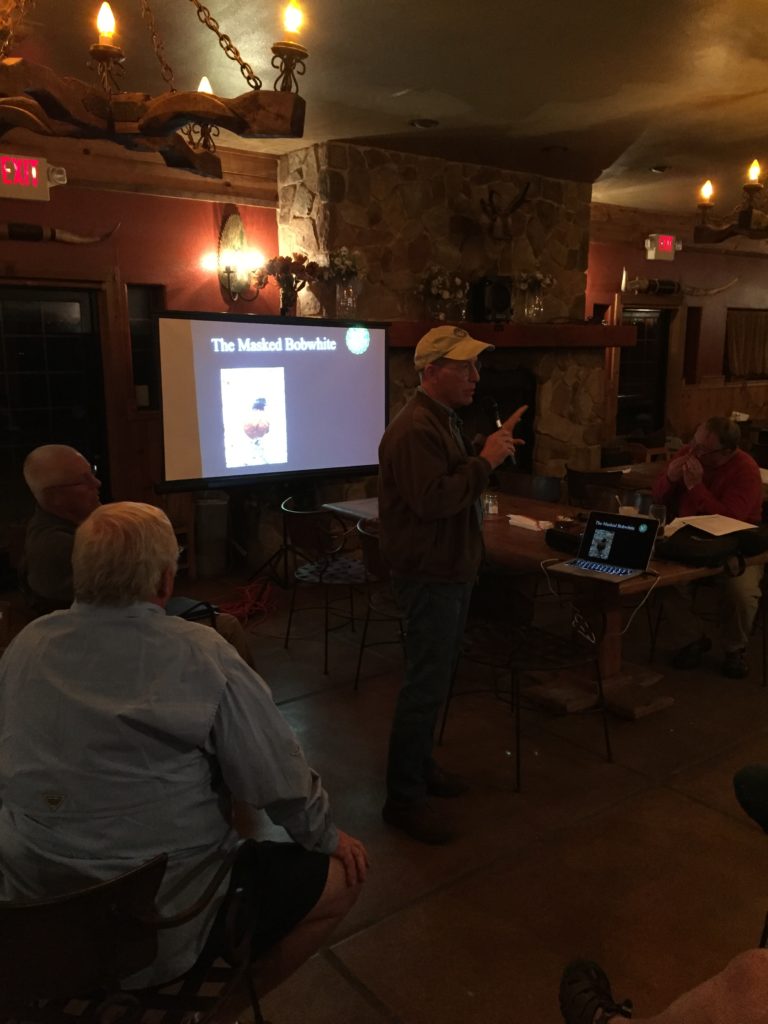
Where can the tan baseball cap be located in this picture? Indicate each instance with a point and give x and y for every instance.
(447, 342)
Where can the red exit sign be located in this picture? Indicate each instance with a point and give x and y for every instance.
(28, 177)
(661, 247)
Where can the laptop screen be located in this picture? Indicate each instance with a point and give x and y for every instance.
(622, 541)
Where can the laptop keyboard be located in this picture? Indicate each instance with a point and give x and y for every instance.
(609, 570)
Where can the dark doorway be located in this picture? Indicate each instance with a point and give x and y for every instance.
(51, 384)
(641, 408)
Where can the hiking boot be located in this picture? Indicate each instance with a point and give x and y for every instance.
(735, 664)
(586, 997)
(445, 784)
(419, 821)
(690, 655)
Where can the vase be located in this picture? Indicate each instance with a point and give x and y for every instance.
(288, 301)
(346, 298)
(533, 305)
(438, 308)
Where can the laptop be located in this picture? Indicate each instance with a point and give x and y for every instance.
(613, 547)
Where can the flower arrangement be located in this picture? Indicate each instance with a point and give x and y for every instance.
(442, 290)
(342, 265)
(291, 274)
(533, 280)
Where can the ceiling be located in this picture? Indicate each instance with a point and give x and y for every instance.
(596, 90)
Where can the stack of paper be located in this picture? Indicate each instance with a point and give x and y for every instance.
(717, 526)
(527, 523)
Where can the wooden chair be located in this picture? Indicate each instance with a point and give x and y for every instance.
(317, 541)
(381, 605)
(578, 480)
(63, 959)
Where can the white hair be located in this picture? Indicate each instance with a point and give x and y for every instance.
(49, 465)
(121, 552)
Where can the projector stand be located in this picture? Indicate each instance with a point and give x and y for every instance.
(270, 570)
(271, 567)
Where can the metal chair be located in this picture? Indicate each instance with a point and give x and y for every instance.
(317, 541)
(526, 649)
(64, 959)
(577, 481)
(381, 605)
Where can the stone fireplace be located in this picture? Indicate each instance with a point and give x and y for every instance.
(565, 422)
(400, 213)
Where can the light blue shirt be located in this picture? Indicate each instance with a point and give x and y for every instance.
(115, 725)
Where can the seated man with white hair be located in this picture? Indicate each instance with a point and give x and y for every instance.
(127, 733)
(66, 491)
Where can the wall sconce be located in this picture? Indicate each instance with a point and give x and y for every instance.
(238, 266)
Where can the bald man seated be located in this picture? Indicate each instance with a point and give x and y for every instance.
(66, 491)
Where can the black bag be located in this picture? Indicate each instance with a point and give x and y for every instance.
(754, 542)
(695, 547)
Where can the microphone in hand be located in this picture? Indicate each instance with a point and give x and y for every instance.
(492, 408)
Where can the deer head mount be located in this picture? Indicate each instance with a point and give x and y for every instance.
(497, 218)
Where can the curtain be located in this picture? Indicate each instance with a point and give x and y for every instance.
(746, 342)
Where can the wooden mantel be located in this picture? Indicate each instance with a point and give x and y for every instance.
(406, 333)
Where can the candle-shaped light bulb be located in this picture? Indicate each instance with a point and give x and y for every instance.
(205, 86)
(753, 174)
(292, 17)
(706, 191)
(105, 23)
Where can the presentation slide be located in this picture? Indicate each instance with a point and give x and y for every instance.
(245, 397)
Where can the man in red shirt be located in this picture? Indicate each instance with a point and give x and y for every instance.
(711, 475)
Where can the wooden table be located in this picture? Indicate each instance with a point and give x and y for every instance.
(522, 551)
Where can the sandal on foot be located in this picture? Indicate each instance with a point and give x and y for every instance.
(586, 997)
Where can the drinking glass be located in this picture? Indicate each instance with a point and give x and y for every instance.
(659, 512)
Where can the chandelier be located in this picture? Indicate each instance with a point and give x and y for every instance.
(180, 126)
(750, 221)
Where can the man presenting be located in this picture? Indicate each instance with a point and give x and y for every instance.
(712, 476)
(126, 733)
(431, 538)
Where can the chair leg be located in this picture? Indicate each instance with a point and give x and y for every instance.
(362, 644)
(352, 607)
(604, 711)
(515, 695)
(290, 613)
(326, 595)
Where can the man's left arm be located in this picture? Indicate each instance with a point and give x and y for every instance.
(262, 762)
(741, 499)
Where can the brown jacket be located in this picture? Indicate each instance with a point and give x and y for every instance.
(428, 492)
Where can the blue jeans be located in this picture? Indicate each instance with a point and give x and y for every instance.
(435, 614)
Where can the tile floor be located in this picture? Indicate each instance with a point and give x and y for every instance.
(647, 864)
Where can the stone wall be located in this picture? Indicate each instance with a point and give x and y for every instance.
(569, 415)
(400, 213)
